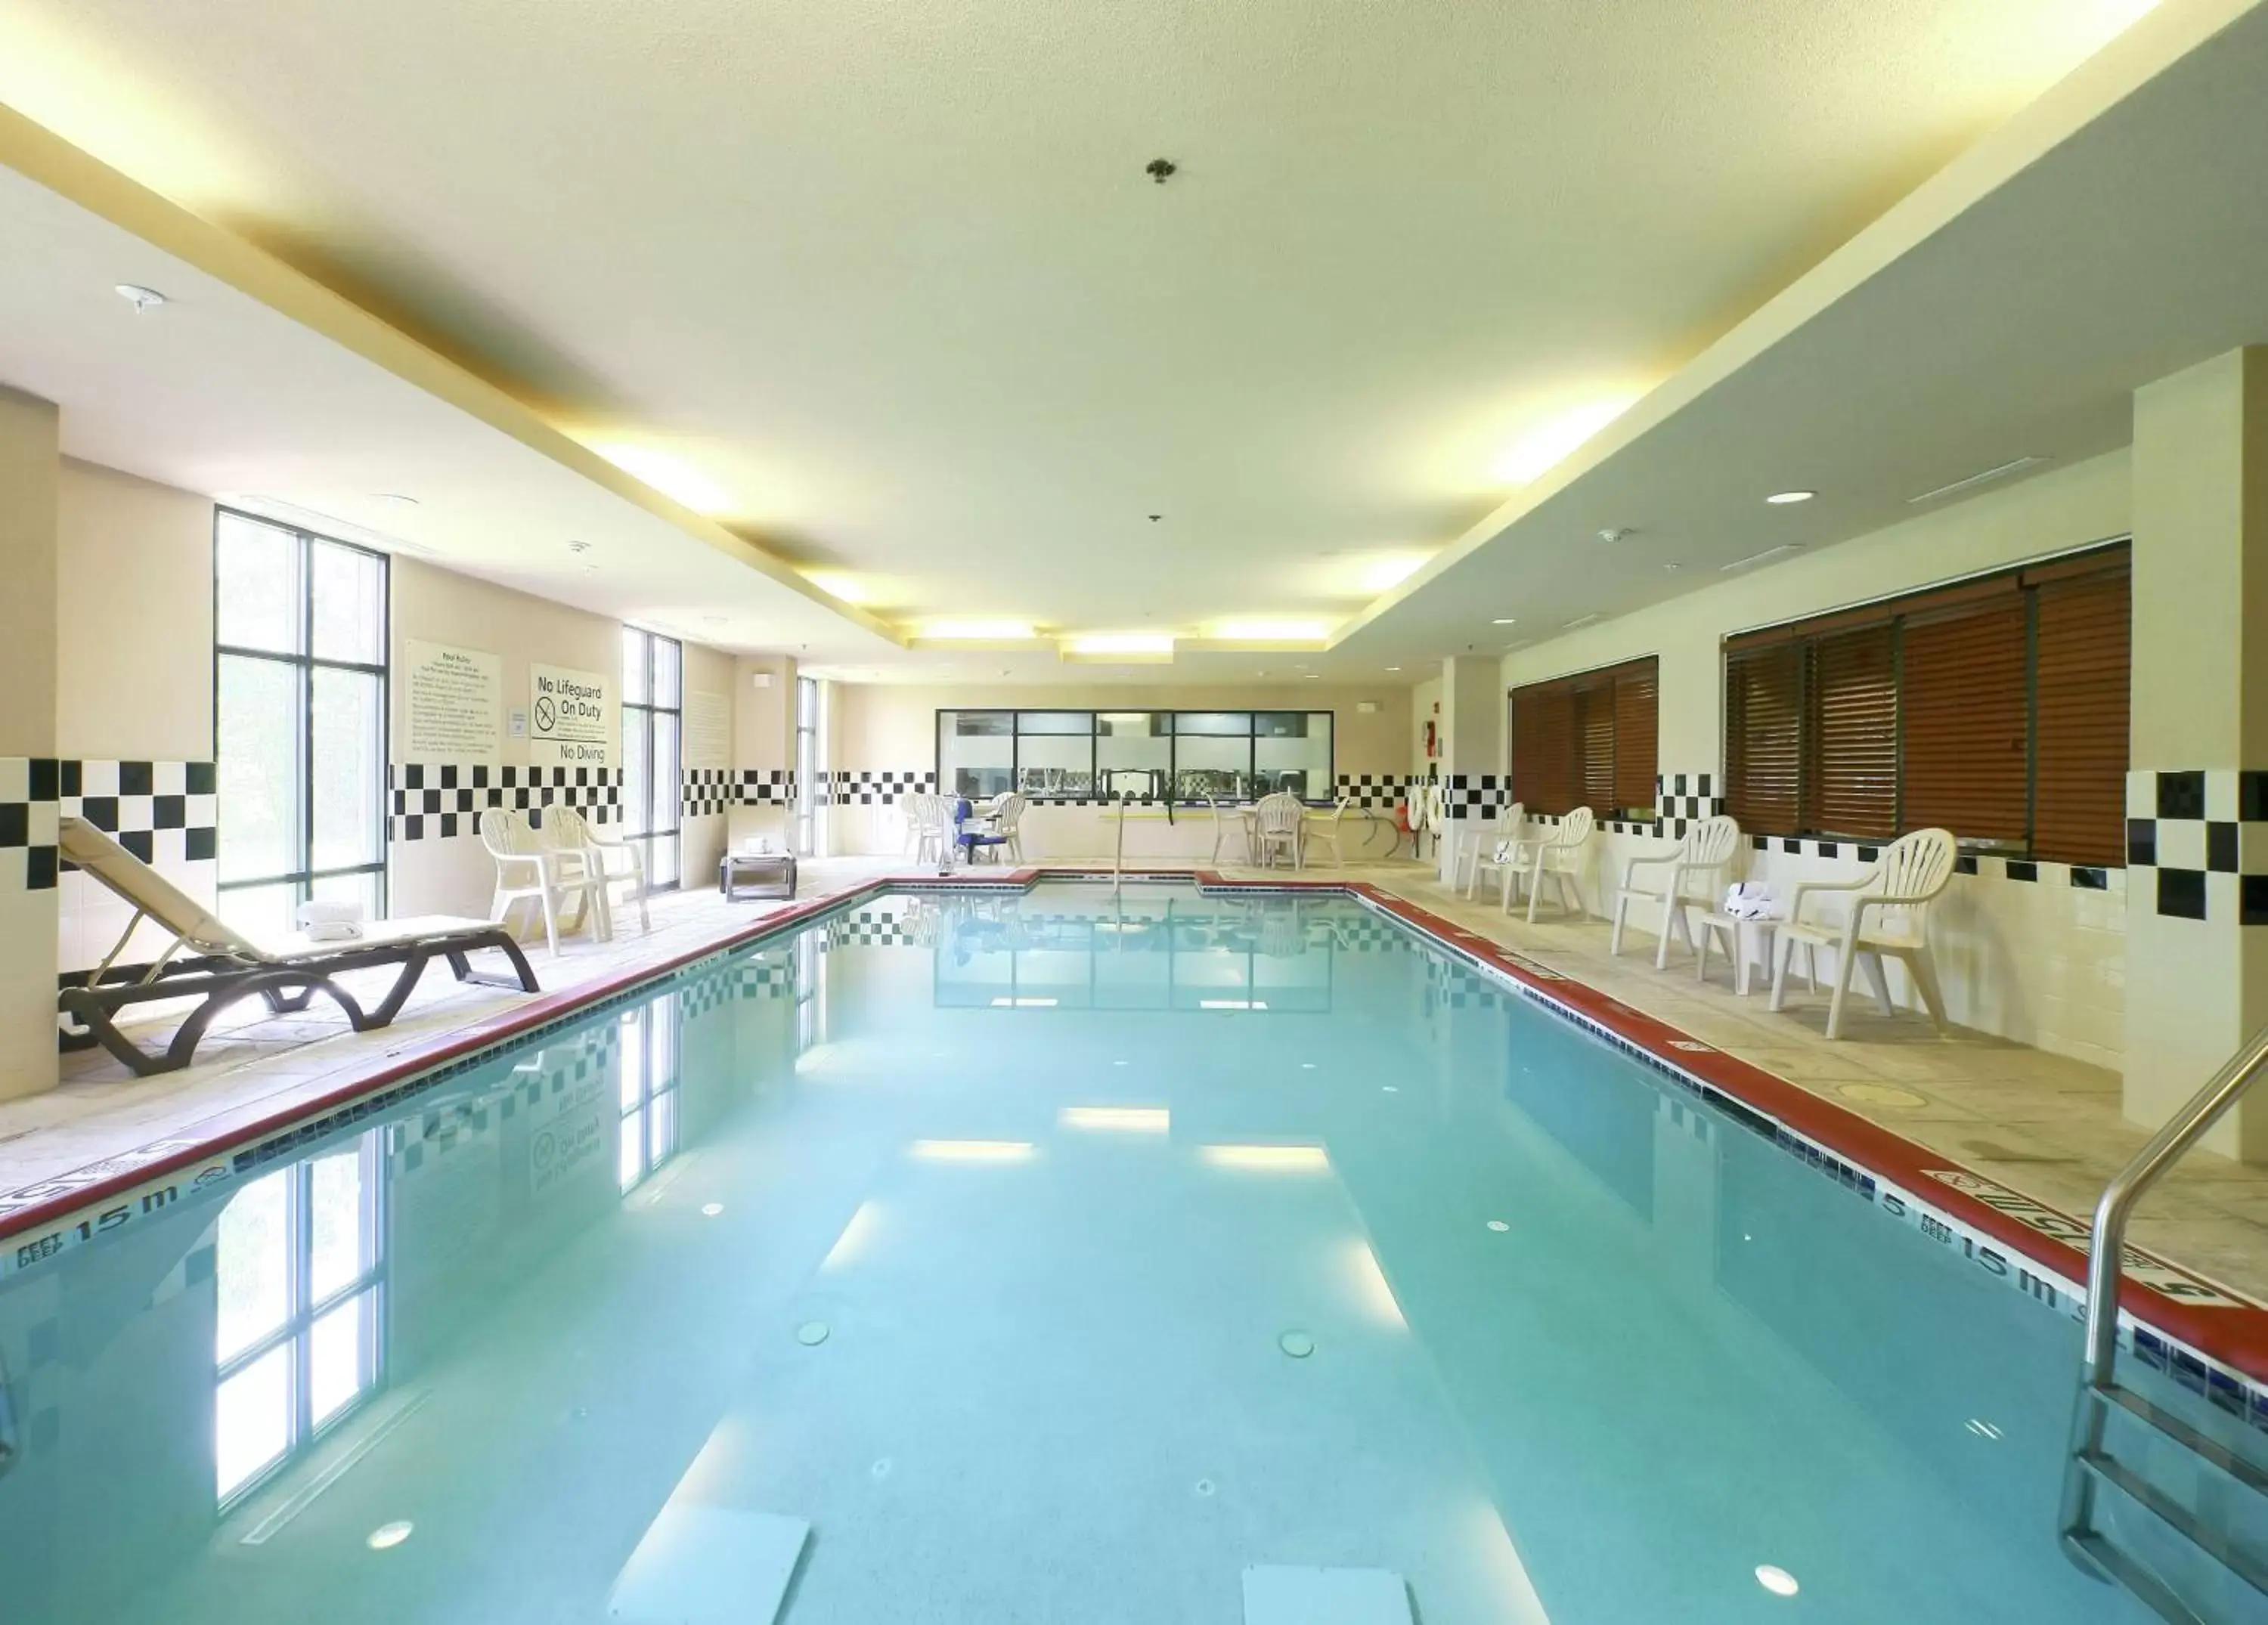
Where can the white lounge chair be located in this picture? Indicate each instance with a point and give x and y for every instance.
(1698, 870)
(553, 877)
(1503, 855)
(211, 961)
(1896, 892)
(1558, 855)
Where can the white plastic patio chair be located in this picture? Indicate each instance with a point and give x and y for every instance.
(1324, 828)
(1558, 857)
(1698, 872)
(1889, 915)
(615, 861)
(932, 834)
(1502, 855)
(1008, 819)
(1276, 821)
(526, 870)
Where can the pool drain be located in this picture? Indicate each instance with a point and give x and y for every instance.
(1299, 1345)
(811, 1333)
(1204, 1485)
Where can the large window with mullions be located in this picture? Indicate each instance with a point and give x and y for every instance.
(1193, 755)
(299, 633)
(653, 688)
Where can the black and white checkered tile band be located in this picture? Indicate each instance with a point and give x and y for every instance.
(871, 787)
(2085, 876)
(766, 787)
(1377, 791)
(1682, 799)
(162, 811)
(28, 810)
(2197, 843)
(1478, 795)
(709, 792)
(440, 800)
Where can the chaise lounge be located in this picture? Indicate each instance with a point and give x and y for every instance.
(221, 965)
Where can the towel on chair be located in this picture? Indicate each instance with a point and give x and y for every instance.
(1751, 900)
(330, 922)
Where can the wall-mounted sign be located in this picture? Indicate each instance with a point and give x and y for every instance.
(570, 718)
(453, 697)
(708, 730)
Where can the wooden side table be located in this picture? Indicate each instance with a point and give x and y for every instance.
(742, 876)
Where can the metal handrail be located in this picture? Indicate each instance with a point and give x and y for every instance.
(2181, 1133)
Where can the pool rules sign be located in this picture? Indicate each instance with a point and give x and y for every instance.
(570, 720)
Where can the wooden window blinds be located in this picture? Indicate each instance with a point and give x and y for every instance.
(1995, 708)
(1587, 740)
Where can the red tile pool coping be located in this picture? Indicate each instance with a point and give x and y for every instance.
(1998, 1229)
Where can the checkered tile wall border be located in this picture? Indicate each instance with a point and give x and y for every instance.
(1482, 795)
(2197, 843)
(1682, 799)
(765, 787)
(29, 806)
(872, 787)
(162, 811)
(439, 801)
(709, 792)
(2084, 876)
(1377, 791)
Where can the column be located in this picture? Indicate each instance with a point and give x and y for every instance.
(2197, 785)
(1471, 767)
(29, 453)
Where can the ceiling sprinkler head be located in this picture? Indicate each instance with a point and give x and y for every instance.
(1613, 532)
(1161, 169)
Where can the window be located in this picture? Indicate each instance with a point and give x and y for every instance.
(300, 635)
(1995, 708)
(806, 762)
(654, 687)
(647, 1135)
(1067, 756)
(299, 1274)
(1587, 741)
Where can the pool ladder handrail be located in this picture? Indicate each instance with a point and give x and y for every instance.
(2090, 1466)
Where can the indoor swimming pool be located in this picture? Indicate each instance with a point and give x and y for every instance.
(1051, 1257)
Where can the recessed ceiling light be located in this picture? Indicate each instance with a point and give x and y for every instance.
(1782, 498)
(1314, 676)
(1777, 1580)
(140, 297)
(1505, 621)
(1393, 668)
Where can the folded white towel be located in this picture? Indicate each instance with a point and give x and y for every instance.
(1751, 900)
(330, 930)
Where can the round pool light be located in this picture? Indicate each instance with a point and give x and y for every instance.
(1499, 1226)
(1777, 1580)
(710, 1210)
(388, 1536)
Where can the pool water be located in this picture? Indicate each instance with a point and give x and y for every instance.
(1055, 1257)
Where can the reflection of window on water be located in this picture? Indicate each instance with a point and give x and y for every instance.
(649, 1089)
(810, 991)
(298, 1262)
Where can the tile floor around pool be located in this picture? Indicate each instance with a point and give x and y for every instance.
(2038, 1123)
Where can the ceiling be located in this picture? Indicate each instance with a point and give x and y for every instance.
(891, 285)
(2008, 326)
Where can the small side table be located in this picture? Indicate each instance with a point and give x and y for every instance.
(742, 876)
(1747, 942)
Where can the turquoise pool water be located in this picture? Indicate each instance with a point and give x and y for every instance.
(1056, 1258)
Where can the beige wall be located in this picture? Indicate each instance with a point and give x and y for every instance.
(707, 671)
(888, 728)
(763, 739)
(453, 875)
(2042, 962)
(134, 612)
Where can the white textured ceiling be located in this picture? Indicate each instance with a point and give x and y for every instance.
(892, 276)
